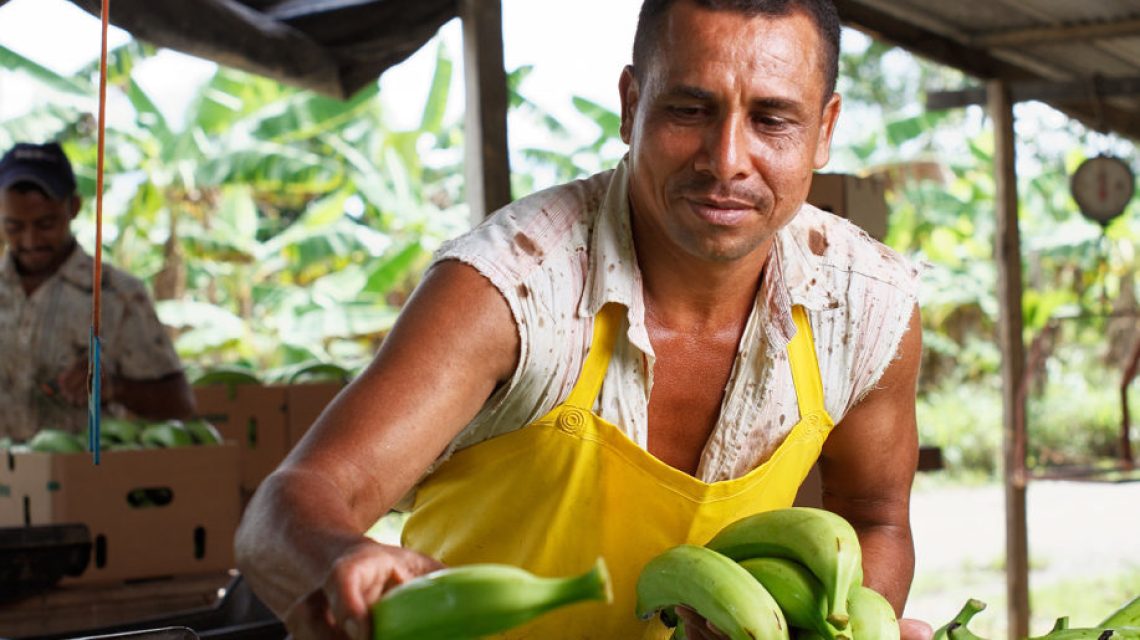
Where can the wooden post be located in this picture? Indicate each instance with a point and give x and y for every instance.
(488, 170)
(1007, 247)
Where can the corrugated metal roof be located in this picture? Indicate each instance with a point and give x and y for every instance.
(337, 46)
(1093, 46)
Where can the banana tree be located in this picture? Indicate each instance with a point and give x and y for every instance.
(275, 225)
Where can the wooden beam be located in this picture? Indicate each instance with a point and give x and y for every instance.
(1089, 91)
(1007, 247)
(1059, 33)
(488, 169)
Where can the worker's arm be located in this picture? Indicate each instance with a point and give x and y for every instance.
(161, 399)
(301, 542)
(867, 468)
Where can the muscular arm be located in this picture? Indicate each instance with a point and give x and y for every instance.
(867, 468)
(167, 397)
(454, 342)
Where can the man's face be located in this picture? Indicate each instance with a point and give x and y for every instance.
(725, 128)
(37, 229)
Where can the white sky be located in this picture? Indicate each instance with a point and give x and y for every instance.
(581, 56)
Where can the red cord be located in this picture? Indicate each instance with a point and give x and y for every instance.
(97, 298)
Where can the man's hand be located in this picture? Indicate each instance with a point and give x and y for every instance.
(340, 607)
(696, 627)
(912, 629)
(72, 383)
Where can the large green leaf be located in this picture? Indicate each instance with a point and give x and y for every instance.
(148, 115)
(12, 61)
(436, 105)
(390, 270)
(345, 320)
(609, 121)
(269, 166)
(121, 62)
(306, 115)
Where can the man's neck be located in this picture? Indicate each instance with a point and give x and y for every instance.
(690, 294)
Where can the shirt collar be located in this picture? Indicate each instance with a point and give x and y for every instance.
(613, 274)
(792, 275)
(76, 269)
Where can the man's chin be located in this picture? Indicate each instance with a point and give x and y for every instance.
(35, 267)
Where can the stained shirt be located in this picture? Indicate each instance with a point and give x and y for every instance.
(559, 255)
(44, 333)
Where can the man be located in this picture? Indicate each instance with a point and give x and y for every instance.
(626, 363)
(45, 312)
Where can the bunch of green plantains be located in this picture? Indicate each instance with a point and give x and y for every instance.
(788, 573)
(1123, 624)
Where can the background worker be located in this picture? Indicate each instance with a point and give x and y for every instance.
(45, 312)
(627, 362)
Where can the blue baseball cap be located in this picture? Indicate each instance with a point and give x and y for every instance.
(44, 165)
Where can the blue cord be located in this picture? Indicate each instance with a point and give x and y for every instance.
(94, 400)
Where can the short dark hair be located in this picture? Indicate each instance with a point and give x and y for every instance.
(822, 12)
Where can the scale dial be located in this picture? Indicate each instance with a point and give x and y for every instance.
(1103, 186)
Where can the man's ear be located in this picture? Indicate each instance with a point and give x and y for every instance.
(630, 91)
(74, 203)
(826, 129)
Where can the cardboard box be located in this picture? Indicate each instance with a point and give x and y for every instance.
(253, 416)
(304, 404)
(151, 512)
(860, 200)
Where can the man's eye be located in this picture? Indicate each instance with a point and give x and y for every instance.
(686, 111)
(770, 122)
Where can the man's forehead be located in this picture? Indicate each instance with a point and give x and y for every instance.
(700, 42)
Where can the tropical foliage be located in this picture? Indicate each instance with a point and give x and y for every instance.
(279, 228)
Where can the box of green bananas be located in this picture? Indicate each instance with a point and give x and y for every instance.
(163, 500)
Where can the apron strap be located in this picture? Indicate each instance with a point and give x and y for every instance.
(805, 366)
(606, 325)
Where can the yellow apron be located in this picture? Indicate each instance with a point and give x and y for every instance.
(553, 496)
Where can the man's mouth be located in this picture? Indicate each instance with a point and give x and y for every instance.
(721, 211)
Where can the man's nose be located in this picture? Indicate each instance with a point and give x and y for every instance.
(726, 154)
(27, 239)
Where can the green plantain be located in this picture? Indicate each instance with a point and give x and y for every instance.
(872, 616)
(1126, 616)
(472, 601)
(798, 592)
(957, 626)
(714, 586)
(822, 541)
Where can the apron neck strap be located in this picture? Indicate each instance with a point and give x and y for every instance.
(805, 366)
(607, 323)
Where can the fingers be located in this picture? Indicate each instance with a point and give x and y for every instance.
(309, 619)
(696, 627)
(360, 577)
(911, 629)
(72, 383)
